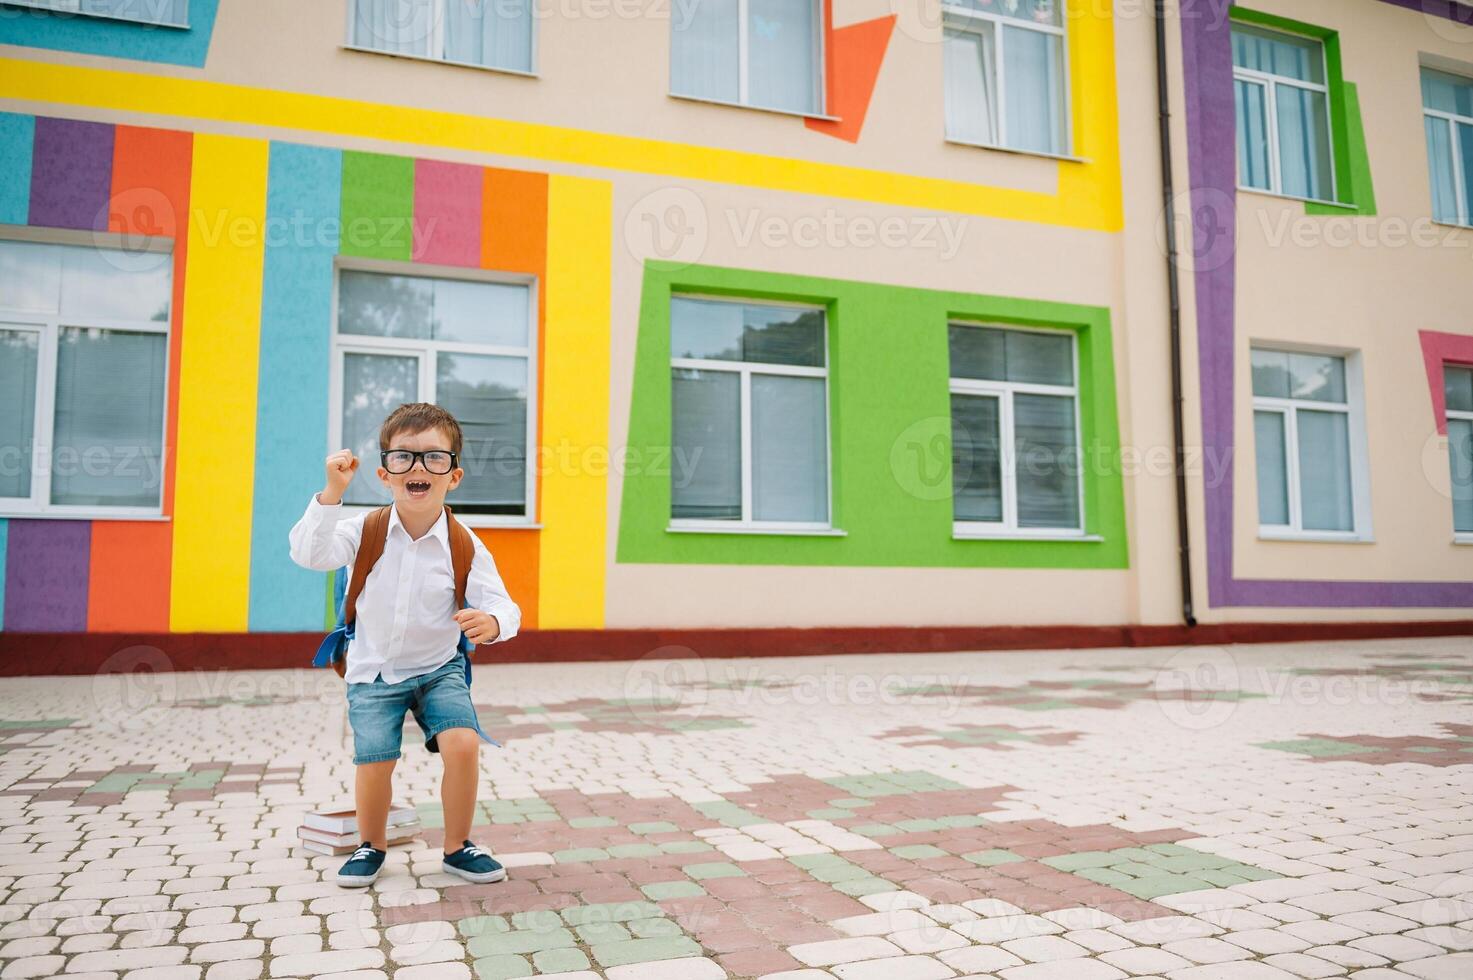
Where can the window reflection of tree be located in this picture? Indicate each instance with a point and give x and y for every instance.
(387, 306)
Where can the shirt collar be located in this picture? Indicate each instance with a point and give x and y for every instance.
(440, 530)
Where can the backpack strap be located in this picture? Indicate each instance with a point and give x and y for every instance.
(370, 549)
(462, 553)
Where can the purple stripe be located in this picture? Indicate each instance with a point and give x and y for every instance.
(71, 174)
(1207, 70)
(46, 575)
(1448, 9)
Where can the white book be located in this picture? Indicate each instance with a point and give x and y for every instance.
(340, 819)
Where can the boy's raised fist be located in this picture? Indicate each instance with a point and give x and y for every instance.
(340, 466)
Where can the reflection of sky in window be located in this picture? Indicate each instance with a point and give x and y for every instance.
(1312, 377)
(420, 308)
(79, 281)
(724, 331)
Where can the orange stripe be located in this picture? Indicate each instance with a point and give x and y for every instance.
(516, 559)
(129, 577)
(514, 239)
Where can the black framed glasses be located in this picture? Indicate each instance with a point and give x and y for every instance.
(437, 461)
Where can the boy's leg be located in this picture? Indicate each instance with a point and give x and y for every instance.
(460, 749)
(373, 791)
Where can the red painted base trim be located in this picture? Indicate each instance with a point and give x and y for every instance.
(31, 654)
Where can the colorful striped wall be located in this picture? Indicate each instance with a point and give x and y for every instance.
(249, 354)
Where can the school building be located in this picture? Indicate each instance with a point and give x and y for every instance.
(775, 326)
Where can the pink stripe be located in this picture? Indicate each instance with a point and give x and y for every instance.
(447, 213)
(1439, 349)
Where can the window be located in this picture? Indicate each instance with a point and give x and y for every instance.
(750, 441)
(761, 53)
(159, 13)
(1283, 114)
(1004, 63)
(1015, 460)
(1307, 435)
(1447, 114)
(1459, 388)
(484, 33)
(84, 352)
(463, 344)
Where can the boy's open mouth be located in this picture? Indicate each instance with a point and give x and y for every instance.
(417, 488)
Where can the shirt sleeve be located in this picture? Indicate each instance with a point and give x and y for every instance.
(485, 591)
(322, 540)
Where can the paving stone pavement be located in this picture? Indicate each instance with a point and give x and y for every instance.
(1240, 813)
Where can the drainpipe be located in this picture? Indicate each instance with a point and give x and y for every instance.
(1168, 195)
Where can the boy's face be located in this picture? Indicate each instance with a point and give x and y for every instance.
(419, 490)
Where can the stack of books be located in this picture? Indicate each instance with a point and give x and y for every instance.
(335, 830)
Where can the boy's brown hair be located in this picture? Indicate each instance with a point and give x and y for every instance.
(417, 417)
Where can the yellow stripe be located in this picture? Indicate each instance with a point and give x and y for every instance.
(217, 386)
(1088, 193)
(575, 404)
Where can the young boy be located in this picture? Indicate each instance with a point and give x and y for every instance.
(405, 655)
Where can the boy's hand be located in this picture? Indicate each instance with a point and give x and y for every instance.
(479, 627)
(340, 466)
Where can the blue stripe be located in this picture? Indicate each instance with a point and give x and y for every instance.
(4, 545)
(303, 212)
(17, 139)
(114, 38)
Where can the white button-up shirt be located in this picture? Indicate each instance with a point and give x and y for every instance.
(404, 614)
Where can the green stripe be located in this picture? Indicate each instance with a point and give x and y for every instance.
(378, 206)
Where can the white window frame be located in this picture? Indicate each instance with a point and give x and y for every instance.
(48, 326)
(745, 370)
(1354, 408)
(424, 351)
(820, 66)
(1269, 82)
(1004, 391)
(72, 8)
(969, 19)
(1460, 165)
(437, 43)
(1460, 537)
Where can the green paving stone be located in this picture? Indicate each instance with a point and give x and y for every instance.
(809, 861)
(991, 856)
(537, 920)
(610, 912)
(876, 830)
(1220, 878)
(1136, 869)
(1081, 860)
(714, 869)
(851, 803)
(1316, 747)
(919, 826)
(1198, 862)
(917, 852)
(37, 723)
(653, 827)
(962, 821)
(502, 968)
(479, 925)
(500, 806)
(1105, 876)
(508, 818)
(534, 710)
(1251, 873)
(830, 814)
(1052, 704)
(594, 933)
(633, 850)
(582, 822)
(1148, 888)
(645, 950)
(541, 817)
(832, 873)
(654, 928)
(519, 941)
(856, 887)
(685, 847)
(580, 854)
(560, 960)
(1135, 854)
(661, 890)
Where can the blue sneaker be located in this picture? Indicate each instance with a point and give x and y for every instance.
(473, 864)
(362, 868)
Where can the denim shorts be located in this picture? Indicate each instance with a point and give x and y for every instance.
(438, 700)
